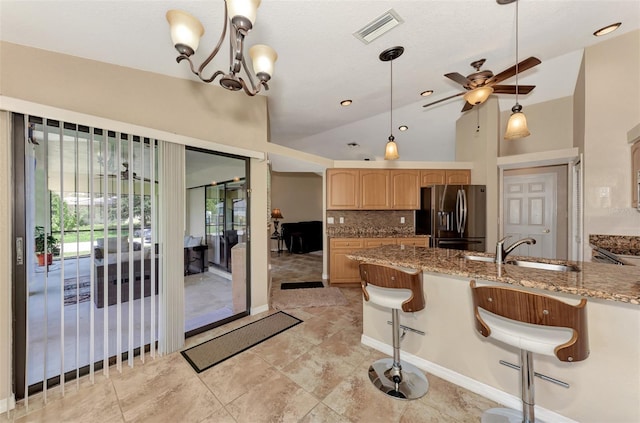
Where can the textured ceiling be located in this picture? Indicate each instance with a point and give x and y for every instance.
(320, 61)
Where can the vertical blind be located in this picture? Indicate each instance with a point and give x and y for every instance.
(94, 195)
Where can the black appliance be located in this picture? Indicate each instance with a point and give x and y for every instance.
(455, 216)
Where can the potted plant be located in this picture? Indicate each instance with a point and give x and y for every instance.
(52, 246)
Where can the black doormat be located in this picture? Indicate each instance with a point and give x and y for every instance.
(300, 285)
(216, 350)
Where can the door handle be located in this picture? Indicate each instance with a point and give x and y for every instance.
(546, 231)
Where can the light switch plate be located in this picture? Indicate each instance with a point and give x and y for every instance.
(402, 219)
(341, 219)
(330, 220)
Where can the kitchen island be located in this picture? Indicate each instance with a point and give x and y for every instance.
(604, 387)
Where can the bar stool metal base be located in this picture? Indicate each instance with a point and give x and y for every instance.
(503, 415)
(413, 385)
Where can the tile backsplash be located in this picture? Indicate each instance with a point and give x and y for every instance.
(370, 223)
(617, 244)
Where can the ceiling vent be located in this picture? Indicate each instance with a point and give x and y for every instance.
(378, 26)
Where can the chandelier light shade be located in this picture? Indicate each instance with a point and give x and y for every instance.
(240, 15)
(517, 125)
(478, 95)
(389, 55)
(391, 151)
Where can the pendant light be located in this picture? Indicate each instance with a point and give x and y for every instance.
(391, 150)
(517, 125)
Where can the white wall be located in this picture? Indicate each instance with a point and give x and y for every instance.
(298, 195)
(612, 108)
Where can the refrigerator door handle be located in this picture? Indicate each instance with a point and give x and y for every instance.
(458, 211)
(465, 210)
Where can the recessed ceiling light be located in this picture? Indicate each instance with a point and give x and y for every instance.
(607, 29)
(426, 93)
(403, 127)
(346, 103)
(353, 145)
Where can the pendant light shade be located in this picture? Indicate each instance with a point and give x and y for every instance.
(478, 96)
(389, 55)
(186, 31)
(391, 151)
(517, 125)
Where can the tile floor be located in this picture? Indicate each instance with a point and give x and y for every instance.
(314, 372)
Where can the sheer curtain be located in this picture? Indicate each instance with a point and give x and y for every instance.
(171, 219)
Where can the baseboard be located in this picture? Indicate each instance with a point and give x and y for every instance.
(260, 309)
(466, 382)
(7, 404)
(219, 272)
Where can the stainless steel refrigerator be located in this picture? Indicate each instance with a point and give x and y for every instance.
(454, 215)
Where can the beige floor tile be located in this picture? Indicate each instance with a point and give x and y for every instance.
(358, 400)
(190, 401)
(318, 371)
(219, 416)
(275, 399)
(237, 376)
(323, 414)
(418, 412)
(317, 329)
(282, 349)
(92, 403)
(455, 401)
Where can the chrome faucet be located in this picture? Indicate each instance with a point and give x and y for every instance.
(502, 253)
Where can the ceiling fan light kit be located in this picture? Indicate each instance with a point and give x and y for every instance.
(389, 55)
(478, 96)
(186, 32)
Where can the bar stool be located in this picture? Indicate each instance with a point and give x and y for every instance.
(395, 288)
(534, 323)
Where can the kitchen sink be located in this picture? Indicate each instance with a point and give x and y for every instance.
(481, 258)
(544, 266)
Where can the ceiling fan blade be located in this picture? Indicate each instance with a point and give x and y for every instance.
(511, 89)
(460, 79)
(443, 99)
(467, 106)
(522, 66)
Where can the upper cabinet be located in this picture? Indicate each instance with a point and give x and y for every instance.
(405, 189)
(375, 189)
(343, 189)
(385, 189)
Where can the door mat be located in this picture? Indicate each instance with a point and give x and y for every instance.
(301, 285)
(216, 350)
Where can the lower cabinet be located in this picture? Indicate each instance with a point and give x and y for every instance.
(343, 270)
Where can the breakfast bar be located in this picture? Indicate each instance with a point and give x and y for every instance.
(604, 387)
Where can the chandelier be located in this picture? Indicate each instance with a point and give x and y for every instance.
(186, 32)
(389, 55)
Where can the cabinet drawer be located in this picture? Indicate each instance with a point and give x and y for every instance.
(377, 242)
(413, 242)
(352, 243)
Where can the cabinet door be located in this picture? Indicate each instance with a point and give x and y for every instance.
(375, 189)
(341, 268)
(431, 177)
(458, 177)
(342, 189)
(413, 242)
(635, 168)
(405, 189)
(377, 242)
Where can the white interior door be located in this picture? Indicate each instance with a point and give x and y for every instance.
(530, 210)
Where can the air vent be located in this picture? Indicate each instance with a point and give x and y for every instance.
(378, 26)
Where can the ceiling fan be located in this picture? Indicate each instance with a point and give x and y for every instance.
(124, 174)
(482, 83)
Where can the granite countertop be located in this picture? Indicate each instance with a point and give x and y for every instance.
(617, 244)
(596, 280)
(376, 235)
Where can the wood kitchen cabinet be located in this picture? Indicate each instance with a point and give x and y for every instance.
(405, 189)
(343, 189)
(635, 168)
(342, 269)
(445, 176)
(457, 177)
(375, 189)
(431, 177)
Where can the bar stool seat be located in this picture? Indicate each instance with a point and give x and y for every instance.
(534, 323)
(398, 289)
